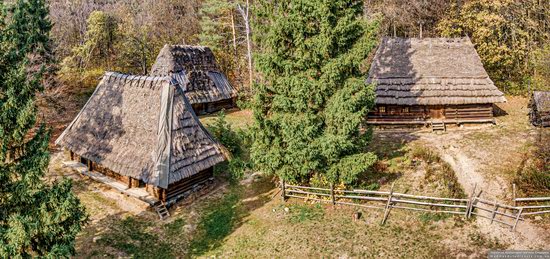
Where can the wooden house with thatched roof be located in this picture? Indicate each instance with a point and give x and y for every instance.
(207, 89)
(142, 132)
(539, 109)
(430, 81)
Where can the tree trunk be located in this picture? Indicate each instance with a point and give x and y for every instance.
(235, 53)
(245, 14)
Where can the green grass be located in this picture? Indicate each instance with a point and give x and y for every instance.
(174, 228)
(133, 236)
(428, 217)
(302, 212)
(218, 221)
(239, 119)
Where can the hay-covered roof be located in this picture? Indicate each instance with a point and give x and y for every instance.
(541, 100)
(206, 81)
(142, 127)
(430, 71)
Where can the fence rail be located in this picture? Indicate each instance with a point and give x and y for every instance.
(532, 205)
(387, 200)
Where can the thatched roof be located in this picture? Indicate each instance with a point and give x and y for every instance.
(430, 71)
(142, 127)
(541, 100)
(206, 81)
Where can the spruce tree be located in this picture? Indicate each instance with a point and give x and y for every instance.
(36, 218)
(312, 101)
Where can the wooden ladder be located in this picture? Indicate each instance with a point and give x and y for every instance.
(438, 125)
(161, 210)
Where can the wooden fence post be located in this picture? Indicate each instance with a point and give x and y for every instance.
(517, 218)
(471, 202)
(388, 205)
(283, 193)
(495, 208)
(332, 194)
(514, 194)
(472, 206)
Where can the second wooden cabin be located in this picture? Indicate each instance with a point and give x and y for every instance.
(431, 81)
(206, 87)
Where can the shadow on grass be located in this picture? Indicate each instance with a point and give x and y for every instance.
(221, 218)
(133, 236)
(498, 112)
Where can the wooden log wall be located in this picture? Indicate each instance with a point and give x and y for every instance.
(392, 113)
(205, 108)
(219, 105)
(465, 113)
(180, 187)
(416, 114)
(173, 191)
(92, 166)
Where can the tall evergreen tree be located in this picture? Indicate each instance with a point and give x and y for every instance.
(36, 218)
(311, 105)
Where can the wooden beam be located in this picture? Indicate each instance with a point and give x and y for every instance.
(283, 193)
(388, 205)
(332, 194)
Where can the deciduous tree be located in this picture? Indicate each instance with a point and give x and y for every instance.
(505, 33)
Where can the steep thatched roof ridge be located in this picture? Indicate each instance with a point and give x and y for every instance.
(142, 127)
(542, 101)
(206, 83)
(430, 71)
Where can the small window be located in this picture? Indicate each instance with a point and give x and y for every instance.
(382, 109)
(406, 109)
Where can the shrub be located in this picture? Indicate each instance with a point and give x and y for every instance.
(223, 132)
(425, 154)
(236, 142)
(534, 178)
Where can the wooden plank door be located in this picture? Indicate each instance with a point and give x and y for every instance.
(436, 112)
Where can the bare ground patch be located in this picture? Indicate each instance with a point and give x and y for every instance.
(490, 157)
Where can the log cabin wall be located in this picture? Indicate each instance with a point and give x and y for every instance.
(174, 190)
(220, 105)
(393, 114)
(177, 189)
(205, 108)
(92, 166)
(418, 114)
(469, 113)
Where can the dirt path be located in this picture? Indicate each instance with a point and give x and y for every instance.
(470, 172)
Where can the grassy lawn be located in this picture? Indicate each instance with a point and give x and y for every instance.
(248, 219)
(237, 118)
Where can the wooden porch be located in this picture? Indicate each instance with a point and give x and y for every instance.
(139, 193)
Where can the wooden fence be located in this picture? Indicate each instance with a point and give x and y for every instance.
(532, 206)
(387, 200)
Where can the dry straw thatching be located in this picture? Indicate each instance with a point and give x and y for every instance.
(142, 127)
(206, 83)
(430, 71)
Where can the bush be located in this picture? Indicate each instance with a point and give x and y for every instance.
(438, 170)
(534, 179)
(231, 139)
(425, 154)
(236, 142)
